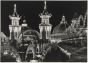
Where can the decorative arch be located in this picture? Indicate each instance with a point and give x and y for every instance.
(30, 33)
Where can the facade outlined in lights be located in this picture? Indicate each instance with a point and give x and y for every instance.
(62, 43)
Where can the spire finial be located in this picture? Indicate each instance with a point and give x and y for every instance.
(14, 7)
(44, 4)
(63, 18)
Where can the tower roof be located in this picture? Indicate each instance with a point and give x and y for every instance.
(60, 28)
(15, 14)
(45, 9)
(45, 12)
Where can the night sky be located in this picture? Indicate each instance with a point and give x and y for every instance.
(32, 9)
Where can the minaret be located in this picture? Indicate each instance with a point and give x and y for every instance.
(45, 26)
(14, 28)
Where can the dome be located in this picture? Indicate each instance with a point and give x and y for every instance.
(60, 28)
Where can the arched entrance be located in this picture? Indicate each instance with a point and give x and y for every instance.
(28, 45)
(30, 53)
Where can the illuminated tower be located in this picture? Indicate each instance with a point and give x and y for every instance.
(14, 28)
(45, 26)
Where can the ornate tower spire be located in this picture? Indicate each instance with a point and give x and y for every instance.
(14, 8)
(15, 12)
(45, 12)
(45, 5)
(45, 26)
(15, 18)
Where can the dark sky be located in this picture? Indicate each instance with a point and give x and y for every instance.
(32, 9)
